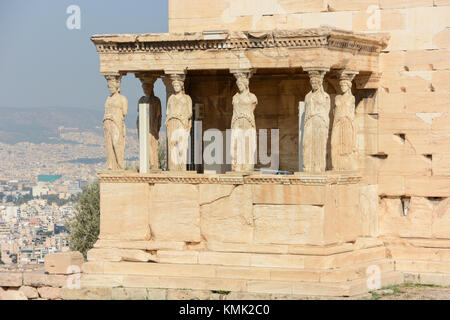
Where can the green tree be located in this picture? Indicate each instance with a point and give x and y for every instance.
(84, 227)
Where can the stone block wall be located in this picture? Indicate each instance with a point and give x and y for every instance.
(31, 285)
(405, 129)
(245, 214)
(61, 270)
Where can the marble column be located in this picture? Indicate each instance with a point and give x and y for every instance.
(116, 108)
(315, 132)
(178, 122)
(243, 127)
(343, 134)
(153, 120)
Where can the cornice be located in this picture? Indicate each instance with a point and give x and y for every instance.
(324, 37)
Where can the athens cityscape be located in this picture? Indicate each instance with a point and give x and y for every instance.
(236, 151)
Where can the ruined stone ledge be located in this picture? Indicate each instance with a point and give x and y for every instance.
(416, 242)
(173, 294)
(27, 285)
(241, 286)
(216, 246)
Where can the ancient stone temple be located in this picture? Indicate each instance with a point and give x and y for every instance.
(354, 201)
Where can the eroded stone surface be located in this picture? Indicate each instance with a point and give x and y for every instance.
(288, 224)
(12, 294)
(125, 217)
(29, 292)
(63, 263)
(229, 218)
(174, 213)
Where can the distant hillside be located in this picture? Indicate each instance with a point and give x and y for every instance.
(41, 124)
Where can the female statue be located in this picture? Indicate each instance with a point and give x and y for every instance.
(317, 121)
(243, 128)
(116, 108)
(154, 121)
(178, 124)
(343, 136)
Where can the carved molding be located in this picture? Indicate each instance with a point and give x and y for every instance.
(299, 178)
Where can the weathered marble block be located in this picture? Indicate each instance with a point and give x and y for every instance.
(124, 211)
(253, 210)
(174, 212)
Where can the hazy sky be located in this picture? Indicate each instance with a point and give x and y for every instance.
(44, 64)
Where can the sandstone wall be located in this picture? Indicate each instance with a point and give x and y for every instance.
(37, 282)
(246, 214)
(405, 134)
(31, 285)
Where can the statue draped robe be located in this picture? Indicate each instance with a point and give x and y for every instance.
(116, 108)
(243, 132)
(315, 134)
(178, 125)
(343, 136)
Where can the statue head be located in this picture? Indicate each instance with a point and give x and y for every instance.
(242, 81)
(147, 87)
(177, 86)
(316, 83)
(316, 80)
(113, 84)
(242, 84)
(178, 82)
(345, 80)
(346, 85)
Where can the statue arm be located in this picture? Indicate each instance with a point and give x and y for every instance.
(190, 107)
(107, 103)
(327, 97)
(307, 105)
(254, 101)
(168, 108)
(124, 105)
(190, 112)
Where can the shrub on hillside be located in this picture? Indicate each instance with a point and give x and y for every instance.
(84, 227)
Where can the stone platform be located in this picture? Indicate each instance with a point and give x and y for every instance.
(299, 234)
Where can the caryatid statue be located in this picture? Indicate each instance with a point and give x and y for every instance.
(116, 108)
(178, 124)
(154, 119)
(243, 127)
(317, 120)
(343, 134)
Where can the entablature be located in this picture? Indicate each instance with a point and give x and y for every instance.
(215, 50)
